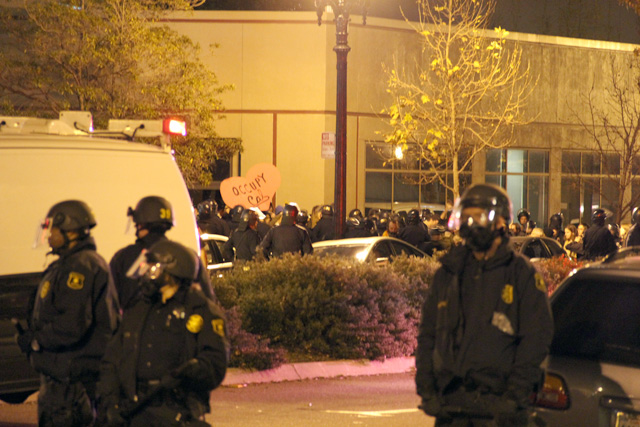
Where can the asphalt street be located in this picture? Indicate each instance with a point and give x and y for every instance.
(376, 400)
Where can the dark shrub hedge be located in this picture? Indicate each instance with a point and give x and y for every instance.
(328, 307)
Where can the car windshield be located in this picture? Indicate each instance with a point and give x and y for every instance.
(598, 319)
(351, 251)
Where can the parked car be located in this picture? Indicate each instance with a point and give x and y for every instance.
(593, 370)
(629, 251)
(537, 247)
(376, 249)
(211, 245)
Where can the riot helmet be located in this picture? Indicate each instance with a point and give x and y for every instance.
(236, 213)
(248, 219)
(479, 229)
(635, 215)
(413, 217)
(523, 213)
(207, 208)
(326, 210)
(303, 217)
(599, 216)
(556, 220)
(353, 222)
(152, 211)
(71, 215)
(289, 214)
(68, 215)
(356, 213)
(164, 258)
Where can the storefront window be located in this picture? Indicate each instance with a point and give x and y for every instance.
(524, 174)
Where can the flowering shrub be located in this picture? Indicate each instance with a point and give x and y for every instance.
(330, 307)
(554, 270)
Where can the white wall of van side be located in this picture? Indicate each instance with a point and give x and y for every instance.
(109, 176)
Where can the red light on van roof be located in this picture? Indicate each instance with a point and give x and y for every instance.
(174, 127)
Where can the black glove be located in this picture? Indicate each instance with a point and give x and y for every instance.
(24, 341)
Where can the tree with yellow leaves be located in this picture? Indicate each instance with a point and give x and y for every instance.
(465, 95)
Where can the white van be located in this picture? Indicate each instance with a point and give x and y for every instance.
(39, 169)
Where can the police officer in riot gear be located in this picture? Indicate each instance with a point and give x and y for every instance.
(555, 230)
(152, 217)
(415, 232)
(598, 241)
(170, 351)
(208, 219)
(75, 312)
(325, 229)
(303, 219)
(486, 323)
(288, 237)
(524, 218)
(234, 217)
(244, 240)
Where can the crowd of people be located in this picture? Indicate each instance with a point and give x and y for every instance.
(581, 241)
(251, 231)
(289, 229)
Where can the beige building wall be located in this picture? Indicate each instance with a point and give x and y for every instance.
(283, 67)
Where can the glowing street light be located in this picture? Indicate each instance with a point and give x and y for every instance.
(341, 9)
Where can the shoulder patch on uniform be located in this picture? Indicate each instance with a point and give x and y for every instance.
(442, 304)
(218, 326)
(44, 291)
(194, 323)
(540, 285)
(75, 281)
(507, 294)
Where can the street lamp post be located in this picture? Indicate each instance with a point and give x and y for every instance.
(341, 9)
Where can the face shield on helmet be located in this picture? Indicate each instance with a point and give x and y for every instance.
(476, 215)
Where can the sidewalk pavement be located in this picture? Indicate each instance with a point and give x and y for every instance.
(310, 370)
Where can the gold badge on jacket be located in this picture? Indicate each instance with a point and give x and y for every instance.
(218, 326)
(45, 289)
(75, 281)
(194, 323)
(540, 285)
(507, 294)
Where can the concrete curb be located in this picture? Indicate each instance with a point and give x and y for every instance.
(310, 370)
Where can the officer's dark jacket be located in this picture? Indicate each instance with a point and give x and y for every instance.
(75, 313)
(505, 336)
(325, 229)
(244, 240)
(359, 231)
(128, 289)
(191, 327)
(598, 242)
(286, 238)
(415, 235)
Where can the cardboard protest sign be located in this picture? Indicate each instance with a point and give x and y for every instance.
(255, 190)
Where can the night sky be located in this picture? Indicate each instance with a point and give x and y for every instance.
(590, 19)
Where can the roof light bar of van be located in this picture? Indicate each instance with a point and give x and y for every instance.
(173, 126)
